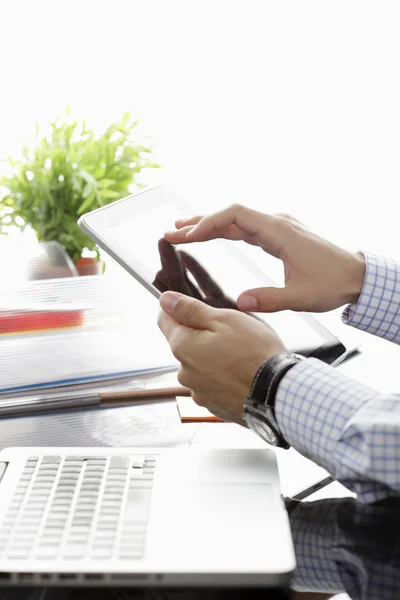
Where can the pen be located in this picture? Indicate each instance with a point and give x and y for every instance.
(61, 401)
(313, 488)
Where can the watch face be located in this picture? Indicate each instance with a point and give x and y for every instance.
(262, 429)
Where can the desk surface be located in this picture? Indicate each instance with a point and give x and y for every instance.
(336, 537)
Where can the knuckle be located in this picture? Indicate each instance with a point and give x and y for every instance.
(289, 221)
(273, 303)
(236, 207)
(183, 377)
(175, 344)
(283, 215)
(192, 311)
(285, 224)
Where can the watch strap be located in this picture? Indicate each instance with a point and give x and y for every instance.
(259, 406)
(269, 375)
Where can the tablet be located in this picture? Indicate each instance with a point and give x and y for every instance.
(130, 230)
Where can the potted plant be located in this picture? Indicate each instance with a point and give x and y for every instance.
(66, 171)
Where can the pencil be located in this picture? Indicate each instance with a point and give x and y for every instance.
(75, 400)
(126, 397)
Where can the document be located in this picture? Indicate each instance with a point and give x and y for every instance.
(118, 335)
(61, 358)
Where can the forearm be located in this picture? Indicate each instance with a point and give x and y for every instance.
(377, 310)
(346, 427)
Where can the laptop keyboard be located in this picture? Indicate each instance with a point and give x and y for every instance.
(78, 507)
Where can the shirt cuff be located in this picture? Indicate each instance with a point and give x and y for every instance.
(314, 402)
(378, 308)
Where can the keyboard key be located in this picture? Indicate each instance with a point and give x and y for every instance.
(119, 462)
(44, 552)
(130, 554)
(74, 550)
(101, 553)
(14, 553)
(51, 459)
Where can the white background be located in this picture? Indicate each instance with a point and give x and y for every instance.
(283, 106)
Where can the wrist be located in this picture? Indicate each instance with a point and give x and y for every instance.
(357, 268)
(259, 406)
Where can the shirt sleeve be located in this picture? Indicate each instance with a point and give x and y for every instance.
(313, 532)
(378, 308)
(343, 546)
(346, 427)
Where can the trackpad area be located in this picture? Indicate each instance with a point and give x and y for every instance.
(238, 466)
(214, 525)
(226, 508)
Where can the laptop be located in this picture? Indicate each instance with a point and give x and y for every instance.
(142, 517)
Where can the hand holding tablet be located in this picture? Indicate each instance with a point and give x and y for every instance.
(130, 231)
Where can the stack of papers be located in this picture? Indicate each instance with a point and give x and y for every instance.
(42, 317)
(57, 359)
(111, 334)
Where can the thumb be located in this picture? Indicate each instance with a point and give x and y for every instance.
(268, 299)
(187, 311)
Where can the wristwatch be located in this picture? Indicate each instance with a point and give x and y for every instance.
(259, 407)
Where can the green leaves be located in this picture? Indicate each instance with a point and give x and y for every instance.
(109, 195)
(85, 206)
(68, 170)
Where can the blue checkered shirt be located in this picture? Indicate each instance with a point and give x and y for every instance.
(350, 429)
(344, 546)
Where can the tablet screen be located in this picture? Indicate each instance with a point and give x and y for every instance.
(133, 228)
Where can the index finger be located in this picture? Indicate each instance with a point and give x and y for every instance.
(178, 236)
(179, 223)
(239, 222)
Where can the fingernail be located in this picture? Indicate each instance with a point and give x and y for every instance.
(169, 300)
(247, 303)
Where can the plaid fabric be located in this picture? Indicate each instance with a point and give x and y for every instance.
(344, 546)
(378, 308)
(347, 427)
